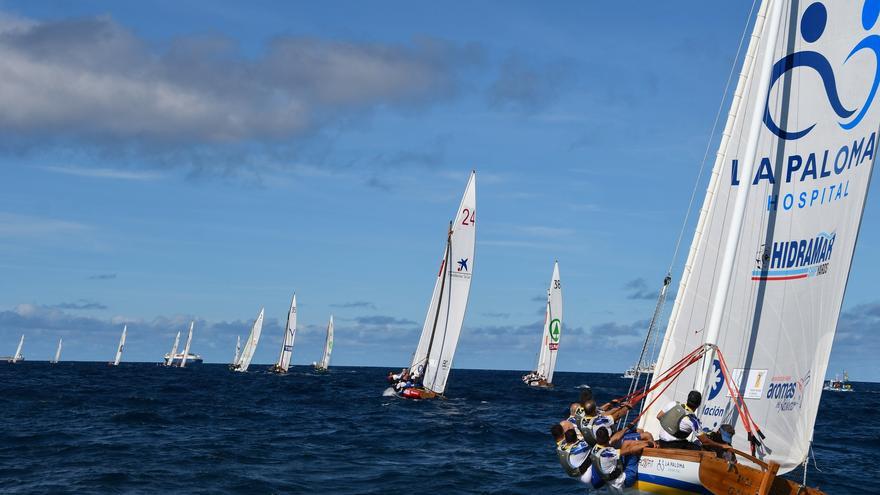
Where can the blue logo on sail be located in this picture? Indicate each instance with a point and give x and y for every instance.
(812, 27)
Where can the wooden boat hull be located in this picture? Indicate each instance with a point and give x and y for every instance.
(675, 472)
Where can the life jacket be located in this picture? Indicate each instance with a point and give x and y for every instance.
(563, 452)
(585, 427)
(671, 421)
(606, 462)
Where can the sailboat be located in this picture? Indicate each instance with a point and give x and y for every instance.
(243, 360)
(118, 357)
(169, 358)
(761, 291)
(57, 353)
(542, 376)
(18, 356)
(287, 342)
(237, 350)
(324, 365)
(432, 360)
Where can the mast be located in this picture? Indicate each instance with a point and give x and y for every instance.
(736, 222)
(189, 338)
(170, 360)
(446, 261)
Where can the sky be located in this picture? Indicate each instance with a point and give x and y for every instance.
(165, 162)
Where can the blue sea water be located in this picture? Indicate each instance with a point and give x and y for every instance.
(90, 428)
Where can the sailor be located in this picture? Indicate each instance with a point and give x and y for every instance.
(576, 418)
(573, 453)
(615, 467)
(594, 419)
(679, 421)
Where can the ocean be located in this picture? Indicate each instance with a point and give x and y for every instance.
(141, 428)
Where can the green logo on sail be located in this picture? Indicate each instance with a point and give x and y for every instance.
(554, 330)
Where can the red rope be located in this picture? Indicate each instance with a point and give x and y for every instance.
(740, 404)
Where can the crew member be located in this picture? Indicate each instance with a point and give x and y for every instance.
(615, 467)
(679, 421)
(573, 453)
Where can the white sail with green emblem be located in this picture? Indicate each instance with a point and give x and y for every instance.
(552, 329)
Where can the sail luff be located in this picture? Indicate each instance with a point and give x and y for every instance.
(719, 301)
(189, 338)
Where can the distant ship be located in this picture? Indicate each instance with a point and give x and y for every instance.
(191, 359)
(647, 369)
(838, 385)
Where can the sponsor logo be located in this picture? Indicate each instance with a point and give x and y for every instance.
(670, 466)
(462, 265)
(646, 463)
(812, 26)
(555, 325)
(795, 259)
(787, 393)
(717, 380)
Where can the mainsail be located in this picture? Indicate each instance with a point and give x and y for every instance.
(433, 357)
(782, 213)
(552, 328)
(237, 350)
(18, 356)
(170, 360)
(189, 338)
(289, 336)
(118, 357)
(250, 345)
(328, 347)
(57, 352)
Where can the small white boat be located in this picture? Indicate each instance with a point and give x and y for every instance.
(324, 365)
(838, 384)
(243, 361)
(121, 346)
(542, 376)
(18, 356)
(283, 363)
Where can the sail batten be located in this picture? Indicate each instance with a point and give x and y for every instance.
(802, 115)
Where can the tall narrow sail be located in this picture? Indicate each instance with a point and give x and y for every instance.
(170, 359)
(432, 360)
(18, 355)
(814, 147)
(118, 357)
(57, 352)
(328, 347)
(189, 338)
(552, 330)
(287, 342)
(237, 350)
(250, 345)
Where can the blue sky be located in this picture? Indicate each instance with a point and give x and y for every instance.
(169, 161)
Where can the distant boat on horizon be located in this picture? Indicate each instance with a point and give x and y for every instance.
(243, 361)
(542, 376)
(18, 356)
(283, 363)
(324, 365)
(119, 349)
(57, 353)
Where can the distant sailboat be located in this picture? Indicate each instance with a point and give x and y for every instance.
(328, 348)
(169, 358)
(18, 355)
(250, 346)
(57, 353)
(118, 357)
(542, 376)
(432, 360)
(287, 342)
(237, 350)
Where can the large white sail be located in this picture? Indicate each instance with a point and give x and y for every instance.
(189, 338)
(289, 336)
(328, 347)
(250, 345)
(552, 328)
(118, 357)
(57, 352)
(433, 357)
(814, 152)
(18, 356)
(170, 360)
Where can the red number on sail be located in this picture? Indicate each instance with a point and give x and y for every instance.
(468, 217)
